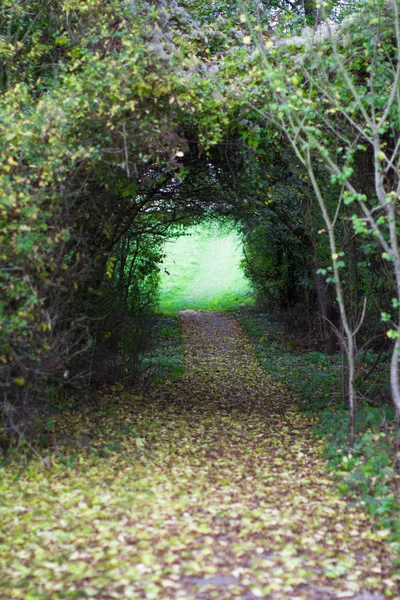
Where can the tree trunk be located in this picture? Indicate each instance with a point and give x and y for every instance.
(325, 310)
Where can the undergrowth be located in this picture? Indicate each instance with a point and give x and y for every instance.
(165, 359)
(367, 473)
(164, 494)
(86, 423)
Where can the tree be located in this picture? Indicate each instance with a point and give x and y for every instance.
(63, 223)
(335, 97)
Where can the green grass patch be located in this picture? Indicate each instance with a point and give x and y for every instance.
(365, 473)
(201, 271)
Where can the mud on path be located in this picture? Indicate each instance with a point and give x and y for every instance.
(223, 495)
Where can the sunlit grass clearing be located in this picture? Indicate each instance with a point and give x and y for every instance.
(202, 271)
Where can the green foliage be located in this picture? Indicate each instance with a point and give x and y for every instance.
(62, 219)
(366, 472)
(100, 166)
(119, 121)
(123, 309)
(274, 264)
(314, 376)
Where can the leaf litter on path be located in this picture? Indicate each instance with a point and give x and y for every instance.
(217, 490)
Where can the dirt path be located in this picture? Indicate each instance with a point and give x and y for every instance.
(223, 495)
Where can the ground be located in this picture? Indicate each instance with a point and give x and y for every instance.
(211, 486)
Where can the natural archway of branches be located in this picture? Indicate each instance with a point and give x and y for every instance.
(122, 122)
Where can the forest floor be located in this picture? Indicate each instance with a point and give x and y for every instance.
(211, 486)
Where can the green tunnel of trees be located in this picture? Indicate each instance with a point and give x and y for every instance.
(123, 122)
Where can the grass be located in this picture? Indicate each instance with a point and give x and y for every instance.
(201, 271)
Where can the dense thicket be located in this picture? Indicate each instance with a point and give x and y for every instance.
(121, 120)
(81, 218)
